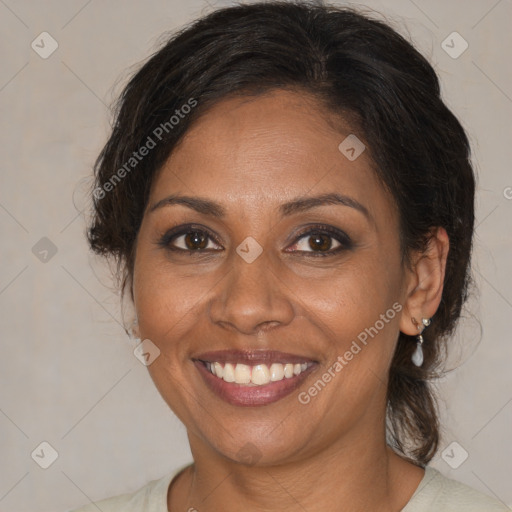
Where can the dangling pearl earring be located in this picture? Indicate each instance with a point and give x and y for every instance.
(417, 356)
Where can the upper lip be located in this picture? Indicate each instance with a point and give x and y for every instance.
(252, 357)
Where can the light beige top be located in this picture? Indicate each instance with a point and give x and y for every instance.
(435, 493)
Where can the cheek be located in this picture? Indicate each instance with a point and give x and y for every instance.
(353, 294)
(166, 304)
(357, 311)
(164, 294)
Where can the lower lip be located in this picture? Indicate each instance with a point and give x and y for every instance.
(239, 394)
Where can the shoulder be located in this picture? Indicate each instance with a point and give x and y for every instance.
(150, 498)
(443, 494)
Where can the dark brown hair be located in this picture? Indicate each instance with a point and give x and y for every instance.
(359, 69)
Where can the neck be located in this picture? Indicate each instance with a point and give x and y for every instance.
(360, 474)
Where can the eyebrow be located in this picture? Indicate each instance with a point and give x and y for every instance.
(300, 204)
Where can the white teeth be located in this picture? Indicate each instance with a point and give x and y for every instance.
(218, 370)
(229, 373)
(242, 374)
(276, 372)
(257, 375)
(260, 375)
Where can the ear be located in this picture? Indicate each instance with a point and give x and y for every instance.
(425, 282)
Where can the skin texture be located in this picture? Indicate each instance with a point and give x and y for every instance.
(251, 155)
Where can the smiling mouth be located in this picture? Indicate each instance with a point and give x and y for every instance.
(256, 375)
(252, 378)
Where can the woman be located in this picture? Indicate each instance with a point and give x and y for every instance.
(292, 205)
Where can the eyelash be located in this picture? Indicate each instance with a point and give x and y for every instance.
(342, 238)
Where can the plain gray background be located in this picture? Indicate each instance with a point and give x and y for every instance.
(69, 376)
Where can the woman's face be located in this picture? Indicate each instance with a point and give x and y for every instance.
(271, 272)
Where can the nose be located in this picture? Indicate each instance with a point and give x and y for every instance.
(251, 298)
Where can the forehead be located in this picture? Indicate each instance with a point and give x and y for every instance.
(267, 150)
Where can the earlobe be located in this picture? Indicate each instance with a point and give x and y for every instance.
(427, 281)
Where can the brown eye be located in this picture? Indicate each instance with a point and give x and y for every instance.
(317, 242)
(320, 242)
(188, 239)
(196, 240)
